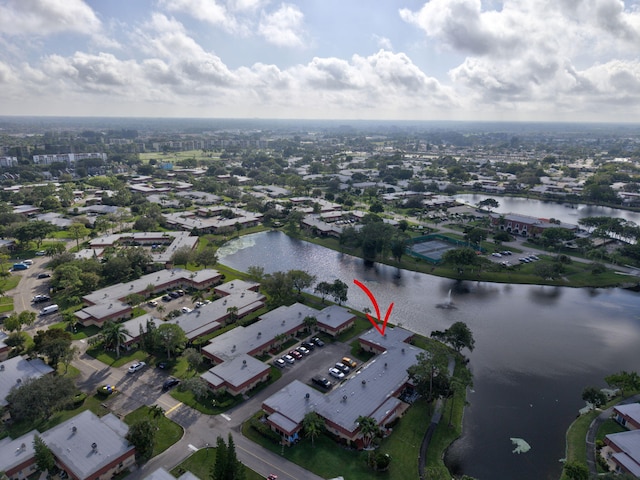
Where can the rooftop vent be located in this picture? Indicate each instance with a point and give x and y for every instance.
(306, 396)
(364, 382)
(74, 429)
(94, 446)
(259, 334)
(344, 398)
(403, 350)
(244, 363)
(1, 368)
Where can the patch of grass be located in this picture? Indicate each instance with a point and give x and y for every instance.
(6, 304)
(211, 405)
(168, 431)
(360, 326)
(359, 353)
(201, 462)
(109, 357)
(608, 427)
(9, 283)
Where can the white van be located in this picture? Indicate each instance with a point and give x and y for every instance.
(49, 309)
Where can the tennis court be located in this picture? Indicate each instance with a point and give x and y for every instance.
(432, 249)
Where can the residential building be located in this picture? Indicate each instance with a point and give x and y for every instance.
(525, 225)
(15, 371)
(374, 391)
(622, 450)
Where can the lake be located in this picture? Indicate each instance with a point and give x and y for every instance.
(541, 209)
(536, 347)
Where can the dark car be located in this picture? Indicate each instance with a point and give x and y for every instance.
(170, 383)
(174, 294)
(321, 381)
(44, 275)
(162, 365)
(317, 342)
(308, 345)
(166, 298)
(343, 368)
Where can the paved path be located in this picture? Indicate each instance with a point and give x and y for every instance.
(592, 461)
(435, 420)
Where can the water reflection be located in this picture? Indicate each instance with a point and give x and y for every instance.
(536, 347)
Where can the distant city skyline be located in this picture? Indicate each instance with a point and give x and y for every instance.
(462, 60)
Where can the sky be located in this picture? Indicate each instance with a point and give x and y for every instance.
(510, 60)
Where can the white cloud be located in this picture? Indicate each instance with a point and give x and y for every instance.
(284, 27)
(209, 11)
(383, 42)
(47, 17)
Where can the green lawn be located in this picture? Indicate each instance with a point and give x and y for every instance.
(109, 357)
(6, 304)
(210, 405)
(168, 431)
(201, 462)
(9, 283)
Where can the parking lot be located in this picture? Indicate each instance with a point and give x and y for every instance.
(317, 362)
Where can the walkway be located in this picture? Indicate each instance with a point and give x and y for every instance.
(435, 419)
(592, 461)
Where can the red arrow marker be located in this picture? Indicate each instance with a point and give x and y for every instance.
(375, 305)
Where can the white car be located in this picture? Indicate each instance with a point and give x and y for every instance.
(152, 303)
(289, 359)
(136, 366)
(186, 310)
(334, 372)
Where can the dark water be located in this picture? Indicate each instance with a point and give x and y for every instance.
(540, 209)
(536, 347)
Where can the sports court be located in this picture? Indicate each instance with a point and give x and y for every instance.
(431, 250)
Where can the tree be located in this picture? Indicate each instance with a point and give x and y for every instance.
(171, 337)
(156, 411)
(313, 425)
(576, 471)
(197, 386)
(430, 375)
(594, 396)
(227, 466)
(278, 286)
(309, 322)
(142, 435)
(43, 456)
(182, 256)
(54, 344)
(193, 358)
(369, 429)
(624, 381)
(78, 231)
(114, 335)
(339, 291)
(36, 398)
(458, 336)
(489, 204)
(232, 314)
(206, 257)
(324, 289)
(460, 257)
(255, 272)
(301, 279)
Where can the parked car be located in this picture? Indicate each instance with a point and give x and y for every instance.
(28, 262)
(198, 304)
(180, 292)
(137, 366)
(186, 310)
(349, 362)
(343, 368)
(162, 365)
(20, 266)
(166, 298)
(44, 275)
(170, 383)
(41, 253)
(308, 345)
(174, 294)
(152, 303)
(303, 350)
(41, 298)
(279, 362)
(321, 382)
(272, 476)
(317, 342)
(496, 254)
(289, 359)
(334, 372)
(295, 354)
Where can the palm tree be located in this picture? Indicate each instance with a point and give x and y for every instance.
(156, 411)
(313, 425)
(368, 429)
(114, 334)
(233, 314)
(310, 322)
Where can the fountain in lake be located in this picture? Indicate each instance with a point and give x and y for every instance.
(448, 304)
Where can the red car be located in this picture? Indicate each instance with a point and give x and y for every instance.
(295, 354)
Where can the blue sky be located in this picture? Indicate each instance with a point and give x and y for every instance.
(567, 60)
